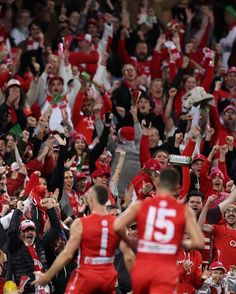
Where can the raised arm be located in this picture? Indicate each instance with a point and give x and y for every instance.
(64, 257)
(192, 228)
(203, 216)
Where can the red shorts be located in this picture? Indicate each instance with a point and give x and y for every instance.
(92, 281)
(153, 278)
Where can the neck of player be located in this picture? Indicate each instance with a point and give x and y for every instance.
(99, 209)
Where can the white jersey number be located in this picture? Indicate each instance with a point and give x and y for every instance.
(104, 238)
(158, 226)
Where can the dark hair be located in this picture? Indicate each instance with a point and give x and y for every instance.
(194, 193)
(169, 179)
(159, 151)
(101, 194)
(36, 23)
(12, 135)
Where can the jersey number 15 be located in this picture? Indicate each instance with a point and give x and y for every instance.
(158, 227)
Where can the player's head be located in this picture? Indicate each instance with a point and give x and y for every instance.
(97, 196)
(169, 180)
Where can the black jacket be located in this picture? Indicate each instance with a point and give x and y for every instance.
(20, 258)
(122, 97)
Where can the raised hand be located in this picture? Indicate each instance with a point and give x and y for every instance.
(147, 188)
(172, 92)
(59, 139)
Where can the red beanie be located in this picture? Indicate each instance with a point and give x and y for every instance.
(215, 171)
(126, 134)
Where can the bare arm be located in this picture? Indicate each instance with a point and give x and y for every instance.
(118, 168)
(129, 256)
(229, 200)
(64, 257)
(192, 228)
(203, 215)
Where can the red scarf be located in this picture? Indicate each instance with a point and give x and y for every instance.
(74, 201)
(37, 263)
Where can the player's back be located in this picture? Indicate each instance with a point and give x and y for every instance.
(161, 224)
(99, 241)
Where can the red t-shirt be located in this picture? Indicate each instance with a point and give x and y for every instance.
(225, 243)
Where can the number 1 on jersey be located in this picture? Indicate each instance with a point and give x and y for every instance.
(104, 238)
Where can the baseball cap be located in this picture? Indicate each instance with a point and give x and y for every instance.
(13, 82)
(153, 164)
(27, 224)
(232, 69)
(85, 37)
(14, 166)
(217, 265)
(99, 173)
(92, 21)
(199, 157)
(79, 176)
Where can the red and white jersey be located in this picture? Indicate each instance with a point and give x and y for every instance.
(99, 241)
(161, 224)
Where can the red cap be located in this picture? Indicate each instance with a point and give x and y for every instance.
(55, 78)
(92, 21)
(85, 37)
(217, 265)
(232, 69)
(230, 107)
(126, 134)
(27, 224)
(77, 136)
(215, 171)
(79, 176)
(100, 173)
(153, 164)
(199, 157)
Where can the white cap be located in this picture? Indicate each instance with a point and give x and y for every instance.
(14, 166)
(27, 224)
(88, 38)
(13, 82)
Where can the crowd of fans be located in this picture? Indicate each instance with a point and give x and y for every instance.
(111, 92)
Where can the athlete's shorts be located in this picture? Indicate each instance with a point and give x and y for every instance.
(154, 278)
(87, 281)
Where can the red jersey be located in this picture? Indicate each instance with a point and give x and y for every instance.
(99, 241)
(161, 224)
(225, 243)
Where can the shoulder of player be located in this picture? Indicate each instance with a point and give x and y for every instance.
(76, 226)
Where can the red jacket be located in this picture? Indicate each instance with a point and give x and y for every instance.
(138, 181)
(143, 67)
